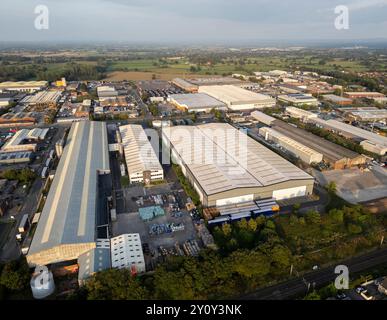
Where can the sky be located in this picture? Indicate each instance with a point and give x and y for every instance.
(196, 21)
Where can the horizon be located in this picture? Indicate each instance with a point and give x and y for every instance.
(196, 22)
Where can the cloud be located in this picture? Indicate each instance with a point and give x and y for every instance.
(189, 20)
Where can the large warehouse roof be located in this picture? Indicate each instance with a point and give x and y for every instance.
(196, 101)
(236, 160)
(234, 95)
(69, 215)
(139, 153)
(358, 132)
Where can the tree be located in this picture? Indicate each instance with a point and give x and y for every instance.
(313, 217)
(252, 225)
(332, 187)
(226, 229)
(15, 275)
(115, 284)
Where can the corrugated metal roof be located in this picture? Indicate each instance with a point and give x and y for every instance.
(222, 158)
(69, 215)
(139, 153)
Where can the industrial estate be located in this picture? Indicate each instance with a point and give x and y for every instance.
(250, 183)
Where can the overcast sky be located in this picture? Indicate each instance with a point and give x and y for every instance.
(191, 20)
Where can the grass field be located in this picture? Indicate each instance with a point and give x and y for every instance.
(145, 68)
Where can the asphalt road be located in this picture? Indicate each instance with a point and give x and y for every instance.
(322, 277)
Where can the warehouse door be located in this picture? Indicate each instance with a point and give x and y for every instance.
(289, 193)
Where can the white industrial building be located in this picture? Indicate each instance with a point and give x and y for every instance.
(263, 118)
(299, 99)
(126, 252)
(196, 102)
(16, 143)
(73, 216)
(237, 98)
(370, 141)
(23, 86)
(225, 166)
(141, 160)
(306, 154)
(301, 114)
(106, 92)
(43, 98)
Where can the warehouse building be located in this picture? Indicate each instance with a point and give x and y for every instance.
(75, 212)
(340, 101)
(263, 118)
(299, 99)
(43, 99)
(338, 157)
(15, 157)
(106, 92)
(185, 85)
(367, 115)
(237, 98)
(364, 95)
(375, 141)
(141, 160)
(301, 114)
(196, 102)
(23, 86)
(306, 154)
(225, 166)
(17, 142)
(20, 119)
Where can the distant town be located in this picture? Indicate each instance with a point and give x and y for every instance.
(202, 174)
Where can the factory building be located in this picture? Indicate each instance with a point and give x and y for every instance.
(75, 213)
(20, 119)
(225, 166)
(16, 143)
(301, 114)
(106, 92)
(364, 95)
(340, 101)
(237, 98)
(376, 142)
(196, 102)
(15, 157)
(263, 118)
(305, 153)
(338, 157)
(141, 160)
(299, 99)
(43, 99)
(367, 115)
(23, 86)
(185, 85)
